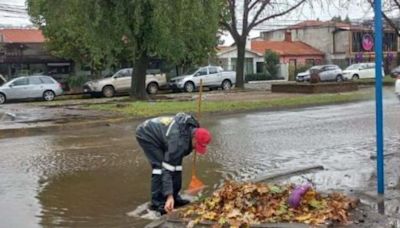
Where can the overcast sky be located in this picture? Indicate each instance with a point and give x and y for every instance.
(14, 15)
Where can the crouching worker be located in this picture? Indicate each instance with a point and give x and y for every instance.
(165, 141)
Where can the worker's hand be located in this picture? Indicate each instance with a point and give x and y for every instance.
(169, 205)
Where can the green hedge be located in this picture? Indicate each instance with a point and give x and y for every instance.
(77, 80)
(259, 77)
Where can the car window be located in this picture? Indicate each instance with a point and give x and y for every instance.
(124, 73)
(46, 80)
(371, 66)
(213, 70)
(202, 71)
(128, 73)
(35, 81)
(326, 68)
(20, 82)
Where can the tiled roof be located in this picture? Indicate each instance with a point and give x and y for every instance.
(21, 36)
(285, 48)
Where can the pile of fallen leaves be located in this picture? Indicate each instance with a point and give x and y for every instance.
(239, 204)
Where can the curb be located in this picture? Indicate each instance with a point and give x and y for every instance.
(26, 131)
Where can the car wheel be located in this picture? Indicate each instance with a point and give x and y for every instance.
(339, 78)
(355, 77)
(2, 98)
(189, 87)
(48, 95)
(108, 91)
(152, 88)
(226, 85)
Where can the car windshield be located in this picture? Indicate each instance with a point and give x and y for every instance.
(191, 71)
(353, 67)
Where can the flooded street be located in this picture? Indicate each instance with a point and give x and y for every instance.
(93, 177)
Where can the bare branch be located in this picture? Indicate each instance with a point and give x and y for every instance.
(245, 17)
(232, 9)
(260, 10)
(396, 2)
(387, 19)
(251, 26)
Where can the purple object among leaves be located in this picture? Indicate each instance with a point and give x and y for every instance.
(297, 194)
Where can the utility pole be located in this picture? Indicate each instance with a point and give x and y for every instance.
(378, 96)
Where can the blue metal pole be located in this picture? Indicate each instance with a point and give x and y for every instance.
(378, 95)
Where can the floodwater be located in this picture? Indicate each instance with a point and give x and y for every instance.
(93, 177)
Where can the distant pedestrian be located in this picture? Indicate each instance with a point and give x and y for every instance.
(166, 141)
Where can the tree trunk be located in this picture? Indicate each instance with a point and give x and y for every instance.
(241, 46)
(138, 83)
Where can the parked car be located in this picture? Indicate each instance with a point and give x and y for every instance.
(120, 82)
(303, 76)
(328, 72)
(213, 77)
(397, 87)
(28, 87)
(395, 73)
(325, 73)
(361, 70)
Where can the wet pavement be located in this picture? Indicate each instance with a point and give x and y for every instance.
(93, 177)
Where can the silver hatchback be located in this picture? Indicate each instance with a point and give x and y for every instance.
(30, 87)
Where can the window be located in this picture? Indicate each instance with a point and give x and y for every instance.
(35, 81)
(389, 41)
(202, 71)
(213, 70)
(20, 82)
(124, 73)
(310, 62)
(46, 80)
(259, 67)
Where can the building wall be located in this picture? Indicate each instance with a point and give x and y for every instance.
(319, 38)
(278, 35)
(31, 58)
(342, 42)
(228, 60)
(302, 60)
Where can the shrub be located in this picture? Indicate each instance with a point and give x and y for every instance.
(77, 80)
(259, 77)
(271, 60)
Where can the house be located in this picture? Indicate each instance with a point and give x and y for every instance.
(227, 58)
(22, 52)
(342, 43)
(291, 54)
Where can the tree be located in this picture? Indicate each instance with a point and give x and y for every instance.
(240, 17)
(271, 60)
(178, 31)
(337, 19)
(388, 8)
(64, 25)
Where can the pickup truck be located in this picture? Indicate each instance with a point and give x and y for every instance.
(213, 77)
(120, 82)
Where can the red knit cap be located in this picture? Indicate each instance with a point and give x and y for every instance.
(203, 138)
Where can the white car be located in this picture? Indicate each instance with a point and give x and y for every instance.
(29, 87)
(397, 87)
(360, 70)
(120, 82)
(213, 77)
(303, 76)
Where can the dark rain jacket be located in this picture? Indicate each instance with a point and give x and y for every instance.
(173, 136)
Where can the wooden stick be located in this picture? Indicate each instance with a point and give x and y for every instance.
(198, 119)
